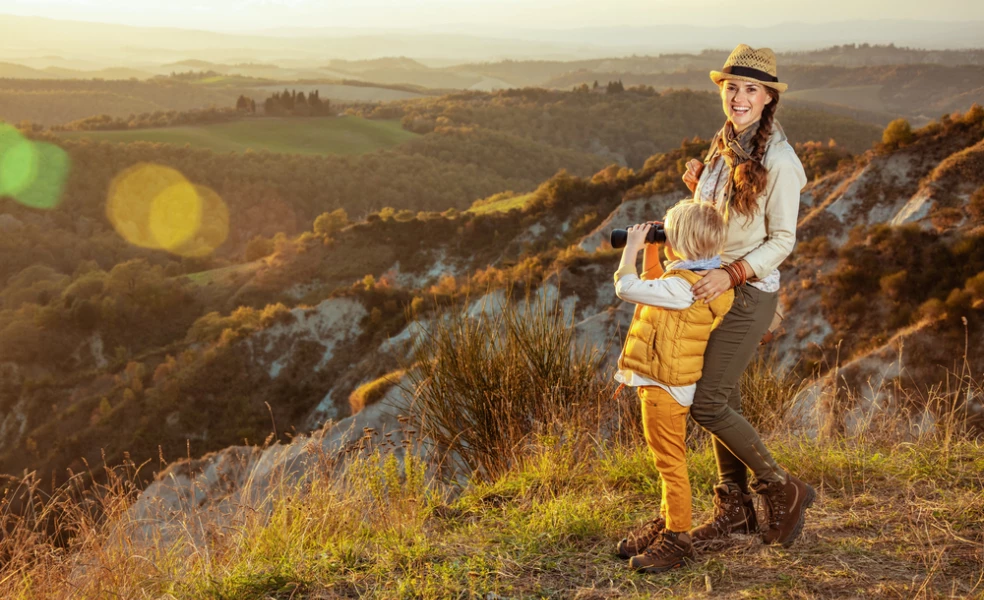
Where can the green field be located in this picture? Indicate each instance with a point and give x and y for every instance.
(315, 135)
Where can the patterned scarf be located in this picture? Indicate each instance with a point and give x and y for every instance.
(732, 145)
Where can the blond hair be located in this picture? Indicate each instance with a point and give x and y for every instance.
(695, 230)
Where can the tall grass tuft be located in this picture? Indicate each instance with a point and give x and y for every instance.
(768, 391)
(485, 385)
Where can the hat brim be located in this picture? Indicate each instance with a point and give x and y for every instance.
(717, 77)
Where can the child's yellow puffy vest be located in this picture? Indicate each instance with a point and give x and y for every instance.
(668, 345)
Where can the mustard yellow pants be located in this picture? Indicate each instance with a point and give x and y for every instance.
(664, 422)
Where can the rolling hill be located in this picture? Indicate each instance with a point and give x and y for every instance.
(320, 136)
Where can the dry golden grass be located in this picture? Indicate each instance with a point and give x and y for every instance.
(900, 514)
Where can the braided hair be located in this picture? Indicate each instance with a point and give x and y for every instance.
(751, 176)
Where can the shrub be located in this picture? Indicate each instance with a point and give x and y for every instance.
(976, 205)
(328, 223)
(484, 386)
(945, 218)
(275, 313)
(898, 133)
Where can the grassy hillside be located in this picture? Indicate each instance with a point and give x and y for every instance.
(385, 512)
(344, 135)
(893, 521)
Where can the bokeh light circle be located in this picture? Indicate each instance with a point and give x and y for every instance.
(175, 215)
(213, 228)
(153, 206)
(18, 168)
(32, 173)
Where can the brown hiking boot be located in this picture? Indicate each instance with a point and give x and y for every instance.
(640, 538)
(733, 513)
(670, 551)
(785, 509)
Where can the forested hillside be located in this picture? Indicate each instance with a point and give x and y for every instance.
(109, 347)
(271, 193)
(627, 126)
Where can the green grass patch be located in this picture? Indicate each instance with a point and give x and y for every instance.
(315, 135)
(499, 205)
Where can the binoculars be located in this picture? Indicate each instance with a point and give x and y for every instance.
(655, 235)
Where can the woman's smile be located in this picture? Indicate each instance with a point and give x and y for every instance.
(743, 102)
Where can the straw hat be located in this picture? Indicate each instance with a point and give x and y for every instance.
(750, 64)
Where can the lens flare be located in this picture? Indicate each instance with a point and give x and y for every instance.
(175, 215)
(214, 225)
(32, 173)
(153, 206)
(18, 168)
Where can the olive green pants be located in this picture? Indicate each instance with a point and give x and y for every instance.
(717, 402)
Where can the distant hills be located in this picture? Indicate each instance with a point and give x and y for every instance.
(121, 45)
(874, 84)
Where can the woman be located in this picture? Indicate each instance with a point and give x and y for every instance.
(754, 177)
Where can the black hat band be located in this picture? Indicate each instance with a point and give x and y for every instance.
(750, 72)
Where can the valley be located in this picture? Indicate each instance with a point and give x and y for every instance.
(216, 311)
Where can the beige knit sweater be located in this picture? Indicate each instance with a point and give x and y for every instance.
(766, 238)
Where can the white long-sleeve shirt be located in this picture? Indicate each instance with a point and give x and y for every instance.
(673, 293)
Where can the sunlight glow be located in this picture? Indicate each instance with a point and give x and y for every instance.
(32, 173)
(153, 206)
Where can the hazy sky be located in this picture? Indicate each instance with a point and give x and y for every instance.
(240, 15)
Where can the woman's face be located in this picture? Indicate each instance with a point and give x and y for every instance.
(743, 102)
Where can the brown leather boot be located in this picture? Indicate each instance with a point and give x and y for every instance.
(671, 550)
(640, 538)
(785, 509)
(733, 513)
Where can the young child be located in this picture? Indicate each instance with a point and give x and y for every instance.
(663, 357)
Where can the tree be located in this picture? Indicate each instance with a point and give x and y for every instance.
(328, 223)
(897, 134)
(318, 106)
(258, 247)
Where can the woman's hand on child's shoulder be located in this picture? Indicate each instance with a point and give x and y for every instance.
(713, 283)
